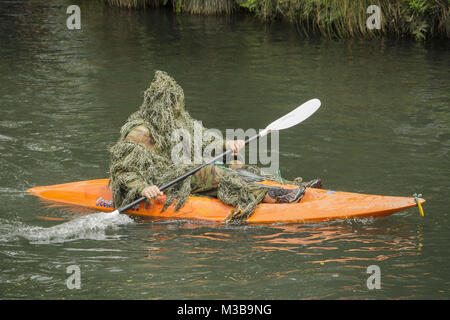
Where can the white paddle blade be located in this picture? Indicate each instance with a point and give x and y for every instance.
(295, 116)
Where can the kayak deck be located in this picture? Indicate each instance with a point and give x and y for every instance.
(316, 205)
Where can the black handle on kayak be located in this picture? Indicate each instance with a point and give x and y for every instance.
(184, 176)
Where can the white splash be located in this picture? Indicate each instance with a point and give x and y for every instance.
(92, 226)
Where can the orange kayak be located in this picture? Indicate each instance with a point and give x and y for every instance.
(316, 205)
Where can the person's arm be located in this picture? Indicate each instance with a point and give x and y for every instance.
(151, 192)
(141, 136)
(234, 145)
(137, 184)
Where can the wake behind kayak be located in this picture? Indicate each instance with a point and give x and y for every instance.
(92, 227)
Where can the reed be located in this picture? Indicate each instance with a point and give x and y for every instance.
(206, 7)
(137, 3)
(419, 19)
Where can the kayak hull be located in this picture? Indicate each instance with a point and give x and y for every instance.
(316, 205)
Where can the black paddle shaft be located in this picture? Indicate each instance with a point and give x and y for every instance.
(184, 176)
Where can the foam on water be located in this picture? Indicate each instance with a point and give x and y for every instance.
(92, 226)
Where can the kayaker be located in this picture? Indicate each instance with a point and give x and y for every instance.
(141, 160)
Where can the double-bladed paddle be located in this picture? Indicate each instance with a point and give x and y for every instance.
(291, 119)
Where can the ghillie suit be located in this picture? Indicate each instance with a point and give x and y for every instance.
(142, 155)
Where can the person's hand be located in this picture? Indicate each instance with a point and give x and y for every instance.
(235, 145)
(151, 192)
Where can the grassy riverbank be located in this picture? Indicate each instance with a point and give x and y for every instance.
(417, 19)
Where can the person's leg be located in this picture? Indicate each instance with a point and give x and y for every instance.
(207, 179)
(280, 195)
(315, 183)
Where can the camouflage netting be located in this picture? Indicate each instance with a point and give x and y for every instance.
(131, 162)
(244, 197)
(133, 166)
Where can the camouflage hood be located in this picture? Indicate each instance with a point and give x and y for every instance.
(162, 111)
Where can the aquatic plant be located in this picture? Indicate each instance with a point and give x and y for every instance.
(419, 19)
(347, 18)
(207, 7)
(138, 3)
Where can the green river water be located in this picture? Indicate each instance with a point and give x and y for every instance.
(383, 128)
